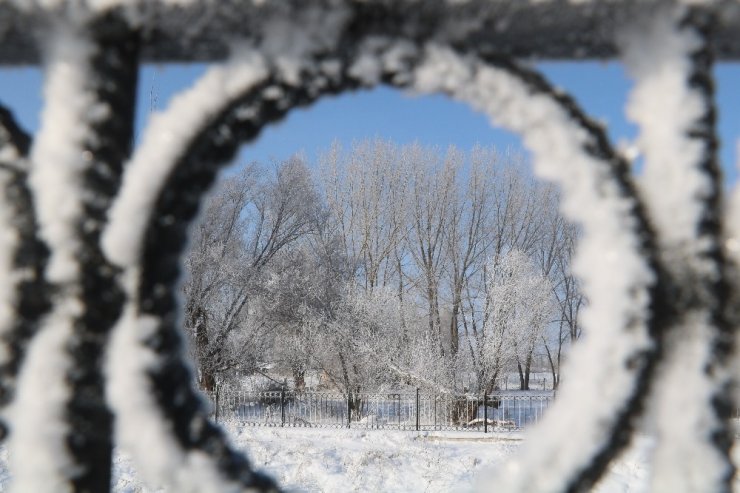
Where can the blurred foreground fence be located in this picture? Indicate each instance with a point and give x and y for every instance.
(94, 232)
(418, 410)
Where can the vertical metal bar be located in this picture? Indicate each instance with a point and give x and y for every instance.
(218, 388)
(417, 409)
(399, 411)
(485, 413)
(113, 65)
(519, 412)
(375, 412)
(545, 404)
(282, 407)
(349, 409)
(529, 411)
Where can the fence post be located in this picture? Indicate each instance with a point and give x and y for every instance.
(399, 411)
(282, 407)
(417, 408)
(217, 401)
(485, 413)
(349, 409)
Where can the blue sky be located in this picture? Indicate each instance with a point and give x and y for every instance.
(601, 88)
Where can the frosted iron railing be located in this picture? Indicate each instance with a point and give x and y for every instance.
(93, 230)
(415, 411)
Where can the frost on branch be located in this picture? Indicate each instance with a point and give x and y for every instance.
(517, 304)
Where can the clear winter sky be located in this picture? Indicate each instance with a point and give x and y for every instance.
(601, 88)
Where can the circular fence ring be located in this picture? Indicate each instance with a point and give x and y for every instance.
(494, 84)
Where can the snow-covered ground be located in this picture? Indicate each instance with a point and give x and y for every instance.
(324, 460)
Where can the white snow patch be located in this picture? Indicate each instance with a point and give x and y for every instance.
(325, 460)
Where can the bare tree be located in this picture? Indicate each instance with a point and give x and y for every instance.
(303, 288)
(366, 193)
(427, 223)
(433, 187)
(215, 289)
(286, 268)
(566, 328)
(517, 307)
(468, 232)
(254, 215)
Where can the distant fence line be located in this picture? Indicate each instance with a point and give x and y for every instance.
(420, 411)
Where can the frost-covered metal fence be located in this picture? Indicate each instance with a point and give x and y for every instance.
(417, 411)
(92, 230)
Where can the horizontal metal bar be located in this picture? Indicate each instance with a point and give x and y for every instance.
(202, 31)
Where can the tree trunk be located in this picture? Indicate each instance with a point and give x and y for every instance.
(522, 385)
(491, 386)
(299, 379)
(435, 322)
(454, 335)
(553, 368)
(527, 372)
(206, 379)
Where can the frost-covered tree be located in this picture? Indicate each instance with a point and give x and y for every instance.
(469, 233)
(433, 187)
(517, 307)
(302, 292)
(552, 252)
(366, 193)
(425, 221)
(254, 216)
(219, 278)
